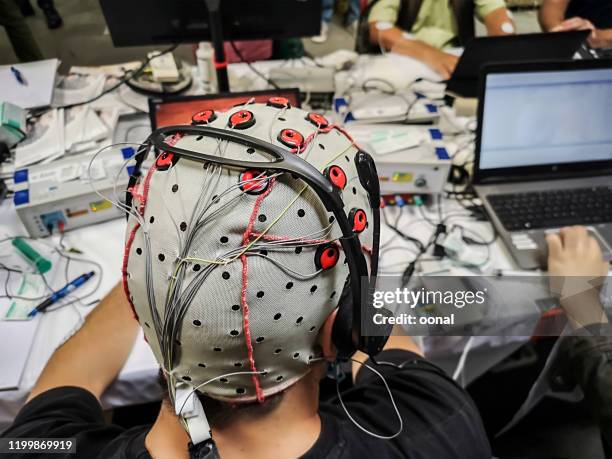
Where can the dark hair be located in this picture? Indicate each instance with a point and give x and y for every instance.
(222, 414)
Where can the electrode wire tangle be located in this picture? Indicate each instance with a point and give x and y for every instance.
(179, 297)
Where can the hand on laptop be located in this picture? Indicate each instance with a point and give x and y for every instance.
(575, 23)
(598, 39)
(573, 252)
(577, 269)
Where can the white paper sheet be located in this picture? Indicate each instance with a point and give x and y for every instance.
(45, 143)
(40, 78)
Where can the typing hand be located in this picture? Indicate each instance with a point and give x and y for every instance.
(600, 38)
(577, 270)
(597, 39)
(441, 62)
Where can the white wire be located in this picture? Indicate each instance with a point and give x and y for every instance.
(286, 269)
(118, 205)
(278, 114)
(387, 268)
(118, 176)
(462, 359)
(237, 373)
(363, 429)
(373, 434)
(304, 240)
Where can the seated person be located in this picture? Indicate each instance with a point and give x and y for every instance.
(566, 15)
(237, 301)
(575, 259)
(437, 24)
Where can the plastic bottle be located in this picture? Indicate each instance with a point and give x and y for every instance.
(206, 68)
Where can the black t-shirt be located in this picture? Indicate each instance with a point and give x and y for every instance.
(599, 12)
(440, 420)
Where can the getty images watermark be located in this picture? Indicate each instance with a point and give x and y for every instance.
(412, 298)
(525, 305)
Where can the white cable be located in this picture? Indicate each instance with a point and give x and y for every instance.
(286, 269)
(119, 205)
(363, 429)
(237, 373)
(462, 359)
(118, 176)
(280, 113)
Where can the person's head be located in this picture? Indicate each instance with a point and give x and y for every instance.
(233, 271)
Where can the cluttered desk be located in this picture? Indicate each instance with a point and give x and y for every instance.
(458, 197)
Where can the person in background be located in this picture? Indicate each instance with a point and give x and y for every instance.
(52, 16)
(422, 29)
(21, 38)
(566, 15)
(575, 259)
(350, 19)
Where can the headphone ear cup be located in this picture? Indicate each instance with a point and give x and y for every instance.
(342, 330)
(368, 177)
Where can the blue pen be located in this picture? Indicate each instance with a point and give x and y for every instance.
(19, 76)
(61, 293)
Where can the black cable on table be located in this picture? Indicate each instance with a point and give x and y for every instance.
(252, 67)
(127, 77)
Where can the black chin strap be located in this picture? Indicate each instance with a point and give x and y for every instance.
(204, 450)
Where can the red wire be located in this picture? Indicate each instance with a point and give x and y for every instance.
(243, 294)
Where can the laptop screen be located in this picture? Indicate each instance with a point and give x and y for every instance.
(545, 118)
(179, 110)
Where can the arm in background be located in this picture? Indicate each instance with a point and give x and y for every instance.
(93, 356)
(383, 33)
(393, 39)
(498, 22)
(552, 13)
(552, 19)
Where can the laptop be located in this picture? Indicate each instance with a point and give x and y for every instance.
(543, 156)
(510, 48)
(166, 111)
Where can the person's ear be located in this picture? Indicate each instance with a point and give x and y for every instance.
(325, 337)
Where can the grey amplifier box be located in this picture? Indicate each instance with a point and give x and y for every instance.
(60, 196)
(409, 159)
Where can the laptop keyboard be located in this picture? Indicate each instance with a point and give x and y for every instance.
(553, 208)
